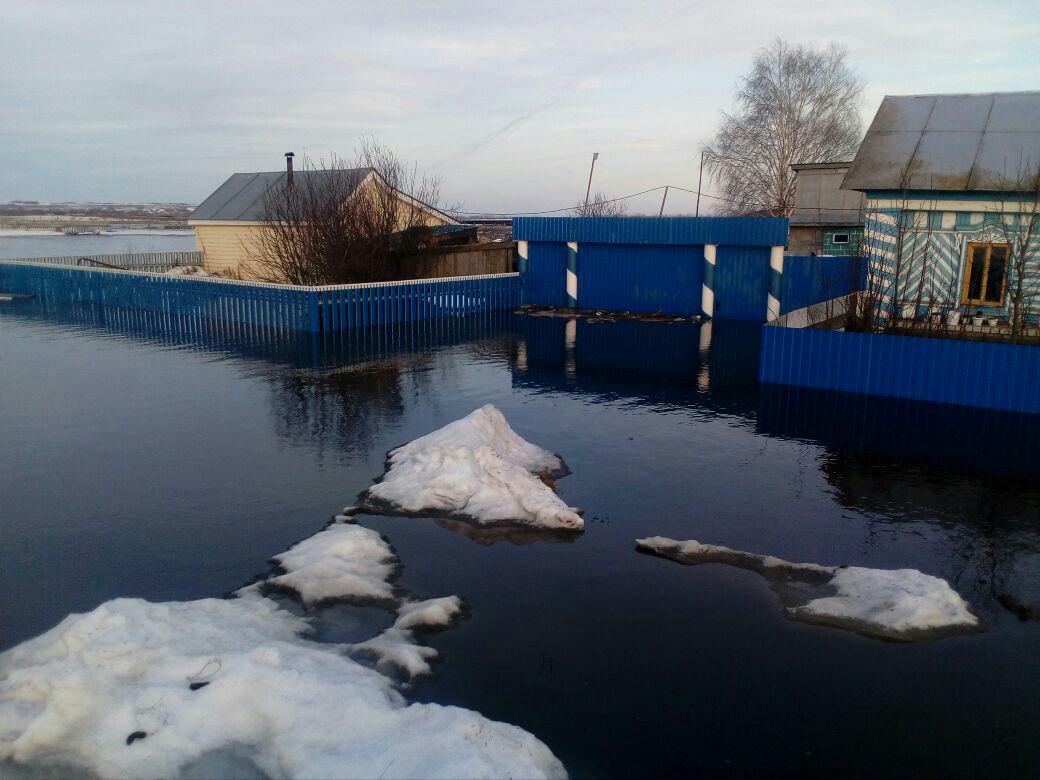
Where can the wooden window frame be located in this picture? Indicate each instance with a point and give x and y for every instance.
(989, 247)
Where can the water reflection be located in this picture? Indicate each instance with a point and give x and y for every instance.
(710, 367)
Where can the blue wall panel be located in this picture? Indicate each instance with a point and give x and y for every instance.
(546, 276)
(739, 231)
(625, 277)
(741, 283)
(966, 373)
(810, 279)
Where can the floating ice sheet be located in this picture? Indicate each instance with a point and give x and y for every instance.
(903, 604)
(478, 469)
(136, 689)
(344, 561)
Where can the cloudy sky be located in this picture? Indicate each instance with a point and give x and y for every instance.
(141, 101)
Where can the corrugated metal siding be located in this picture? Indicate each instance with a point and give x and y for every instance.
(741, 283)
(741, 231)
(274, 307)
(966, 373)
(546, 276)
(623, 277)
(808, 280)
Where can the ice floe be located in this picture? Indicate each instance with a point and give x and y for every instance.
(344, 561)
(431, 613)
(478, 469)
(136, 689)
(901, 604)
(395, 650)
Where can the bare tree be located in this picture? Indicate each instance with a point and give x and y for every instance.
(600, 206)
(339, 222)
(1021, 232)
(799, 104)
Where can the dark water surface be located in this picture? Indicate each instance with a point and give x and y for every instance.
(137, 464)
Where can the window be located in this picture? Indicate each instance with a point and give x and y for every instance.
(840, 238)
(985, 278)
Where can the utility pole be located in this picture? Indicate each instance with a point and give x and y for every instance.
(595, 156)
(700, 177)
(663, 199)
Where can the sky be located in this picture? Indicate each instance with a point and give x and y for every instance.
(506, 102)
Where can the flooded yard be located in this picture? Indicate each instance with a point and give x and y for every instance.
(139, 464)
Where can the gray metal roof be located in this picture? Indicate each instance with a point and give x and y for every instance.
(241, 197)
(983, 142)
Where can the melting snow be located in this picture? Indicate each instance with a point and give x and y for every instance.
(135, 689)
(893, 603)
(343, 561)
(396, 650)
(476, 468)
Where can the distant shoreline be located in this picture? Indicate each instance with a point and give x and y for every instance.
(54, 233)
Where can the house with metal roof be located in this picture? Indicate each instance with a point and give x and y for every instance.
(228, 221)
(951, 215)
(827, 220)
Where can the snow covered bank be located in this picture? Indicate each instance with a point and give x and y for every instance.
(477, 469)
(189, 270)
(892, 603)
(135, 689)
(342, 562)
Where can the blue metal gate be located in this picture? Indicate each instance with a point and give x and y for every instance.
(546, 276)
(646, 278)
(741, 283)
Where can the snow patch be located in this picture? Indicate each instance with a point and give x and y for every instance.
(189, 270)
(343, 561)
(395, 650)
(476, 468)
(117, 692)
(891, 603)
(432, 613)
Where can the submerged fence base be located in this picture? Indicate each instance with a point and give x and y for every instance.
(276, 307)
(949, 371)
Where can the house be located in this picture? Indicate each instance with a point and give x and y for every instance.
(827, 220)
(952, 219)
(228, 222)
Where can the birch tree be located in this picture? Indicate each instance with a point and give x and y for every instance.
(799, 104)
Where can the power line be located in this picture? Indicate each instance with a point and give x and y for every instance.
(494, 214)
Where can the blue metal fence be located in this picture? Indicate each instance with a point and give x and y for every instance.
(648, 264)
(545, 275)
(810, 279)
(634, 277)
(950, 371)
(277, 307)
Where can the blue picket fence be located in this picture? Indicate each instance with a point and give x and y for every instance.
(949, 371)
(278, 307)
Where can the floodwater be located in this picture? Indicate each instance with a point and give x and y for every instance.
(16, 245)
(136, 463)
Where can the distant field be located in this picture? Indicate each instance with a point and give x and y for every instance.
(59, 215)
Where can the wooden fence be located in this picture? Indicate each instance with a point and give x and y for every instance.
(268, 306)
(468, 260)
